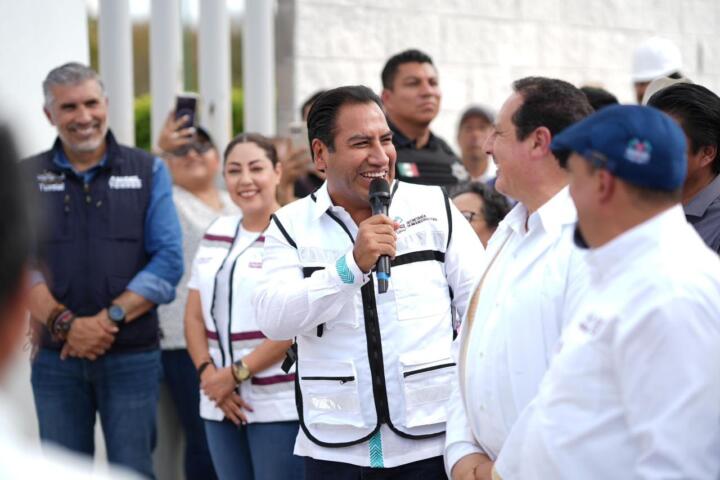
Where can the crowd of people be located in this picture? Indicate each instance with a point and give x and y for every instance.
(552, 309)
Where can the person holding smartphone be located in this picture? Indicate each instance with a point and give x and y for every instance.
(194, 162)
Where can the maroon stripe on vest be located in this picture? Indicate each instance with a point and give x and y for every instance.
(272, 380)
(218, 238)
(246, 336)
(211, 335)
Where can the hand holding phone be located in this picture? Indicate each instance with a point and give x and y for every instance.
(186, 106)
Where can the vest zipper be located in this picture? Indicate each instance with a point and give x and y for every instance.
(428, 369)
(335, 379)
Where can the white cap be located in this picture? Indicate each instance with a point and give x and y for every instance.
(660, 83)
(655, 57)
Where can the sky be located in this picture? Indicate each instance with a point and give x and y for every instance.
(140, 9)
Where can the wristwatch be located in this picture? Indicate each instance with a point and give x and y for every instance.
(240, 372)
(116, 314)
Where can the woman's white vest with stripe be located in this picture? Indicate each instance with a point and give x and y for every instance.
(387, 358)
(271, 392)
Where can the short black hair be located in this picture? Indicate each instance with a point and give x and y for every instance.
(698, 110)
(495, 205)
(550, 103)
(390, 69)
(599, 97)
(261, 141)
(322, 118)
(476, 111)
(308, 103)
(14, 222)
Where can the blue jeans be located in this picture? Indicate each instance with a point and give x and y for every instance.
(180, 376)
(255, 451)
(122, 387)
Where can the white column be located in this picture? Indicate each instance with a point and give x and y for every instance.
(116, 68)
(214, 70)
(165, 60)
(259, 67)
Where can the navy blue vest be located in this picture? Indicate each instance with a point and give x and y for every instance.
(91, 236)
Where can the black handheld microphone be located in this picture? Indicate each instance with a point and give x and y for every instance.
(380, 202)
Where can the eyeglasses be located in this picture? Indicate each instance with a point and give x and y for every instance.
(199, 147)
(469, 216)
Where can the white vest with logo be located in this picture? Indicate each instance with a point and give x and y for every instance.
(386, 359)
(231, 337)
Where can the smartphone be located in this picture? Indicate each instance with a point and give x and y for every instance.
(186, 104)
(299, 135)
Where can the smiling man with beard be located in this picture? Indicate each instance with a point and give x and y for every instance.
(109, 251)
(374, 370)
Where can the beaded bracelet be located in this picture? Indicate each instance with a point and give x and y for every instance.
(62, 323)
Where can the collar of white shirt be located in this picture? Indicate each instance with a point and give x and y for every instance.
(551, 216)
(323, 202)
(607, 260)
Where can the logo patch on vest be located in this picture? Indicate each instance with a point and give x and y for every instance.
(416, 221)
(51, 182)
(128, 182)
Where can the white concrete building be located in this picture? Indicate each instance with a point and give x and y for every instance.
(481, 46)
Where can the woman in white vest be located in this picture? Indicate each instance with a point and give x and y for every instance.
(247, 400)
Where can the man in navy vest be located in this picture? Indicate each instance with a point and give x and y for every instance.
(107, 252)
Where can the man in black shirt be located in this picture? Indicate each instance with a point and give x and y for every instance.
(411, 96)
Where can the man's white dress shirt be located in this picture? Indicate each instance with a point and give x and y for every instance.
(535, 282)
(635, 390)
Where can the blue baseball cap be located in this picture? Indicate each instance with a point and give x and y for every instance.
(640, 145)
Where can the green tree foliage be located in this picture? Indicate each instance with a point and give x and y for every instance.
(143, 107)
(237, 111)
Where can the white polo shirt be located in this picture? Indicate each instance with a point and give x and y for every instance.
(536, 280)
(635, 390)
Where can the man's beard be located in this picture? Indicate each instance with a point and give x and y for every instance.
(86, 146)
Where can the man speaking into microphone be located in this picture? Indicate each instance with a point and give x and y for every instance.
(374, 368)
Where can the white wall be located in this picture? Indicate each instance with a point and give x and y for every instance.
(481, 46)
(36, 36)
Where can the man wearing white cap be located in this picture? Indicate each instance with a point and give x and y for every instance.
(654, 58)
(634, 390)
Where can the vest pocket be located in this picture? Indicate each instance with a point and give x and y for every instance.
(330, 394)
(426, 387)
(420, 291)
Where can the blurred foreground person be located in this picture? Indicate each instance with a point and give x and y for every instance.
(634, 390)
(109, 252)
(20, 458)
(248, 402)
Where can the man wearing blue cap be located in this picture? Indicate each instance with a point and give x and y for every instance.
(633, 391)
